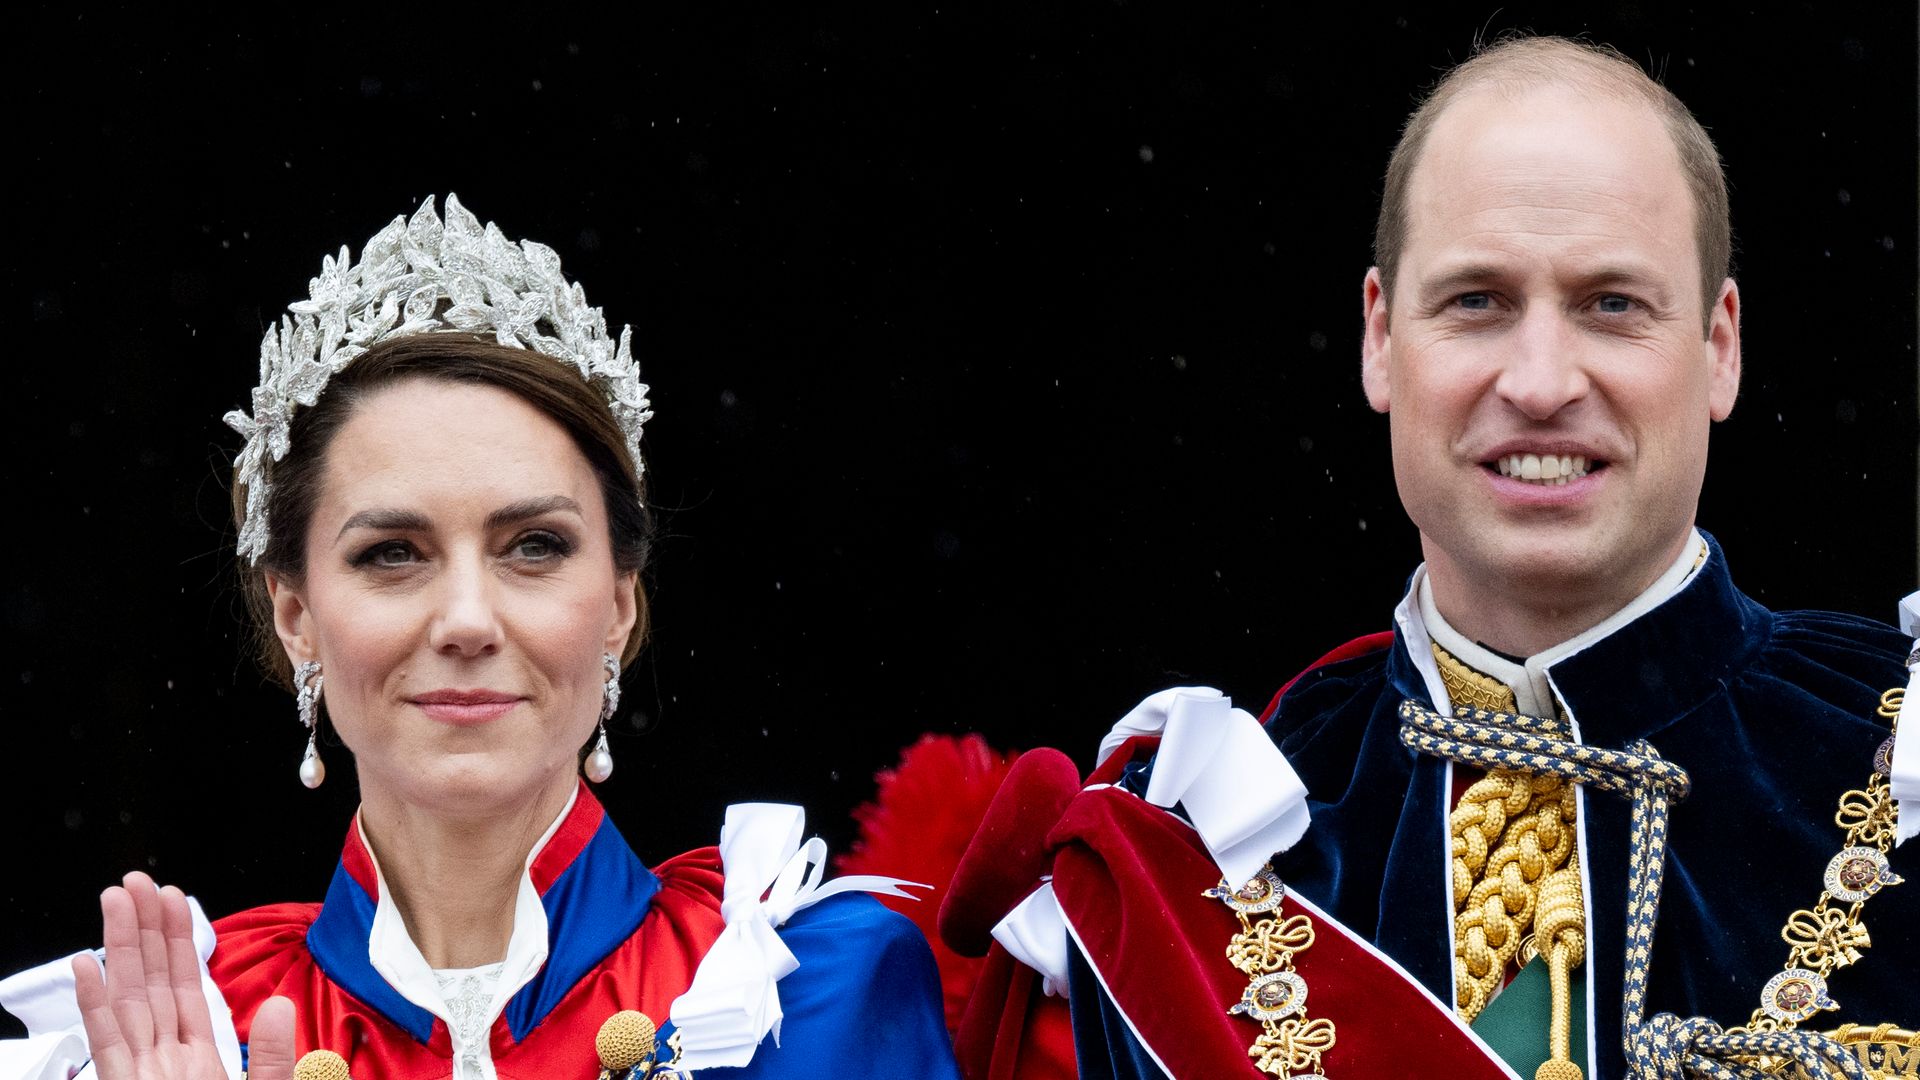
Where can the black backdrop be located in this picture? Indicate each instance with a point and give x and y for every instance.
(1005, 367)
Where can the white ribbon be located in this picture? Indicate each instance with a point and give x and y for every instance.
(733, 1003)
(56, 1043)
(1035, 933)
(1243, 798)
(1905, 781)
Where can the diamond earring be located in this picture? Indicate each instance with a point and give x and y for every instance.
(600, 762)
(308, 680)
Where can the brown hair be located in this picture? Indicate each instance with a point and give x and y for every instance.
(1523, 62)
(549, 385)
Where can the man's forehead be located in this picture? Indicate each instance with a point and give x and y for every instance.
(1548, 163)
(1553, 126)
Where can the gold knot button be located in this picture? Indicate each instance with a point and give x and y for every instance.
(320, 1065)
(625, 1040)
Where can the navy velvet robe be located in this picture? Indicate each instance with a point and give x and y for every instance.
(1772, 714)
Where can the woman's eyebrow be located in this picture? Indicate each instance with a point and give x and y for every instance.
(532, 508)
(384, 519)
(410, 521)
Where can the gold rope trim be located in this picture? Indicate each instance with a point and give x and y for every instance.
(1516, 881)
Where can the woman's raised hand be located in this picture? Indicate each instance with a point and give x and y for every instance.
(149, 1019)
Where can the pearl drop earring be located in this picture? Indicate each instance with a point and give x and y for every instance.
(308, 680)
(600, 761)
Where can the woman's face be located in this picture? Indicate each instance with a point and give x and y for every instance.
(459, 593)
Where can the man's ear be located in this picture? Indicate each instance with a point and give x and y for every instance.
(1376, 344)
(292, 620)
(1723, 350)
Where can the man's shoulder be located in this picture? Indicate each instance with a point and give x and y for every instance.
(1349, 679)
(1839, 635)
(1841, 661)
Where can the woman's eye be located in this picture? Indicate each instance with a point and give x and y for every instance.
(390, 553)
(539, 547)
(1615, 305)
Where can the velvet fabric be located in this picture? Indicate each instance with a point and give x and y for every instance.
(1010, 1030)
(1008, 854)
(1130, 878)
(1147, 966)
(1772, 715)
(865, 1000)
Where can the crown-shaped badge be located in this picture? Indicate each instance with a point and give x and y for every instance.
(420, 275)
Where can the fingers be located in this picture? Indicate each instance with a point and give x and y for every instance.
(183, 968)
(109, 1048)
(155, 963)
(126, 970)
(270, 1041)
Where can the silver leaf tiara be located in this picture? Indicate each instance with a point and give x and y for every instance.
(396, 289)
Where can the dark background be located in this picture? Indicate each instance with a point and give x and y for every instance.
(1005, 366)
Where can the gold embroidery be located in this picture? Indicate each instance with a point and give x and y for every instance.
(1466, 686)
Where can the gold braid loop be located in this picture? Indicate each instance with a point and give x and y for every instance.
(1267, 946)
(1291, 1047)
(1495, 903)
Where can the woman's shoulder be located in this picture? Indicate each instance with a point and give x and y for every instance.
(259, 952)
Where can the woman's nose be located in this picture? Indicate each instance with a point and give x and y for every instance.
(467, 619)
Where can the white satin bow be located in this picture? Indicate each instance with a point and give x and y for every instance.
(1216, 761)
(1243, 798)
(1905, 778)
(733, 1003)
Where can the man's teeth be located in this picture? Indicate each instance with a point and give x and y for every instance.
(1554, 469)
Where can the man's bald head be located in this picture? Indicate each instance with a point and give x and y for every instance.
(1517, 65)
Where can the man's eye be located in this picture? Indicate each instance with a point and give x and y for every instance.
(1615, 305)
(1476, 301)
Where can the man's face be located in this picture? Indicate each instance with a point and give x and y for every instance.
(1543, 361)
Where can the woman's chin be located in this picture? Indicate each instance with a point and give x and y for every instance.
(463, 783)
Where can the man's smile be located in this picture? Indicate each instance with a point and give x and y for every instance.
(1545, 468)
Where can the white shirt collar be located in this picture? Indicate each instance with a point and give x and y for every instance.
(399, 961)
(1421, 626)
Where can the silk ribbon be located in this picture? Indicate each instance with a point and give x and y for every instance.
(733, 1003)
(1219, 766)
(1217, 763)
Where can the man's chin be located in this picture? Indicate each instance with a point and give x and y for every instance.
(1578, 563)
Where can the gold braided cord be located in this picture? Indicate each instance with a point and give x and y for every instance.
(1561, 924)
(1508, 833)
(1502, 886)
(1516, 880)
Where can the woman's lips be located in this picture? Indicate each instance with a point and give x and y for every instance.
(464, 708)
